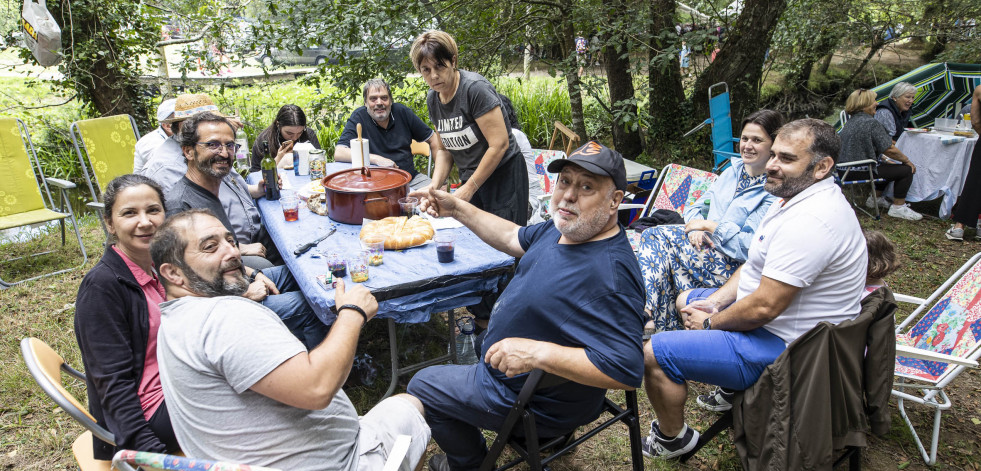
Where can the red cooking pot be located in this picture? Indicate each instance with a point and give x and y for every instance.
(362, 193)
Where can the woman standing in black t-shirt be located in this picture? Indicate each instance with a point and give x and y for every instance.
(466, 112)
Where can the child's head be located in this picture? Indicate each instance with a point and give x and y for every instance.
(882, 255)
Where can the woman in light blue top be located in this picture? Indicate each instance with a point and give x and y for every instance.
(706, 251)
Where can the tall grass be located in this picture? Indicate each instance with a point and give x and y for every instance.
(538, 102)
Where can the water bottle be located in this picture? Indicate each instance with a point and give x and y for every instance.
(466, 342)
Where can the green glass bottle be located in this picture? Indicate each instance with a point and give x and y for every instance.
(269, 174)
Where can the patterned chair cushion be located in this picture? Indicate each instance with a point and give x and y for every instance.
(952, 327)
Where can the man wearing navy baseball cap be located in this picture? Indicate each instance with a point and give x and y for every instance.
(574, 309)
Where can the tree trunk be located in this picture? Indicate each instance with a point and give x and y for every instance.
(740, 60)
(572, 78)
(877, 43)
(826, 64)
(618, 77)
(665, 94)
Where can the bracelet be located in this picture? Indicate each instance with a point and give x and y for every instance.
(355, 307)
(253, 276)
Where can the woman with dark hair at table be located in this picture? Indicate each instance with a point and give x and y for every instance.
(116, 322)
(473, 134)
(289, 127)
(894, 112)
(968, 204)
(864, 138)
(677, 259)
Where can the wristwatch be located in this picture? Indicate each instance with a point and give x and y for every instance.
(707, 323)
(254, 274)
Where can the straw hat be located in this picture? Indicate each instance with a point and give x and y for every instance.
(190, 105)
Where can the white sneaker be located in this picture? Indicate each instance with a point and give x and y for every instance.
(904, 212)
(883, 203)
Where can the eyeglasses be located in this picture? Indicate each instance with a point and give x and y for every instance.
(214, 146)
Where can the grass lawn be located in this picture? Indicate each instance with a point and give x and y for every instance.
(35, 434)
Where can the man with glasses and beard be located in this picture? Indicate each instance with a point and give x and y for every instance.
(390, 129)
(239, 388)
(806, 264)
(573, 309)
(208, 142)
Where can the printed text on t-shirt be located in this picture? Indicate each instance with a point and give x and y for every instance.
(458, 140)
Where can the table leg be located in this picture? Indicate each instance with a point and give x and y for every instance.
(394, 349)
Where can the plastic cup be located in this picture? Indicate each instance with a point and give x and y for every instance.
(337, 265)
(290, 202)
(444, 246)
(374, 247)
(408, 205)
(358, 265)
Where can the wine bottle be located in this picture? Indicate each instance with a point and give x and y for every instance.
(269, 173)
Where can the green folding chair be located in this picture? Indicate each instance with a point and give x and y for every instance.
(107, 144)
(25, 198)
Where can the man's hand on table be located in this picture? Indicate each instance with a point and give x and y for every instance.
(252, 249)
(380, 161)
(437, 203)
(358, 295)
(514, 356)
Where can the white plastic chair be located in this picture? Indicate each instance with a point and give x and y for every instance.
(944, 341)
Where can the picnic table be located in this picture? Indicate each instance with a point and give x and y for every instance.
(941, 163)
(410, 285)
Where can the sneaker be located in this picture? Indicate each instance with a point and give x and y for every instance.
(904, 212)
(871, 202)
(955, 233)
(657, 446)
(719, 400)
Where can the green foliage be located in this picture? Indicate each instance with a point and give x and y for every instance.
(538, 102)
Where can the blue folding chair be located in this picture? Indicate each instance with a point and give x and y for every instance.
(724, 146)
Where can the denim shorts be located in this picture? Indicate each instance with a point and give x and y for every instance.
(733, 360)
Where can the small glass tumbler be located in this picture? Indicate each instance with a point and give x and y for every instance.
(337, 265)
(374, 246)
(359, 267)
(408, 205)
(444, 246)
(291, 205)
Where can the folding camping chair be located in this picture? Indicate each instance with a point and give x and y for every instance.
(569, 141)
(944, 341)
(46, 366)
(529, 451)
(852, 391)
(108, 145)
(859, 167)
(422, 148)
(26, 196)
(724, 146)
(677, 188)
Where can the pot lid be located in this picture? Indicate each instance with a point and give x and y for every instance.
(366, 179)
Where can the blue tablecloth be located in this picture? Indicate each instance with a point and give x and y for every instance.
(410, 285)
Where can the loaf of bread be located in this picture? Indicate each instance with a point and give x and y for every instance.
(400, 232)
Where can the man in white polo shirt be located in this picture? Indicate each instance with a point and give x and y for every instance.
(806, 264)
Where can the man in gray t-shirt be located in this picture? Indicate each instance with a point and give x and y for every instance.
(241, 388)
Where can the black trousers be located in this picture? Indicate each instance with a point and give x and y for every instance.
(505, 193)
(969, 202)
(900, 175)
